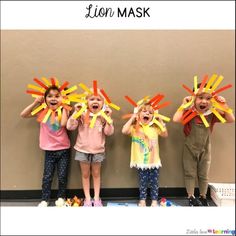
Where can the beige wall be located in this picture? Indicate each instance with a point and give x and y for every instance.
(134, 63)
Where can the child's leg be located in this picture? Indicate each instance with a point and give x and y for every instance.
(49, 167)
(96, 173)
(85, 169)
(203, 172)
(143, 182)
(62, 172)
(190, 170)
(154, 185)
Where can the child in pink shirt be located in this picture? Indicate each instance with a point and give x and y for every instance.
(90, 144)
(54, 140)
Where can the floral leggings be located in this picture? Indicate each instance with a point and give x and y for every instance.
(59, 159)
(151, 177)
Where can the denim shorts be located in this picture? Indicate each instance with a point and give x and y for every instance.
(89, 157)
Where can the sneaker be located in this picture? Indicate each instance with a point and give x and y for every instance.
(203, 201)
(87, 203)
(142, 203)
(194, 201)
(154, 203)
(43, 204)
(97, 203)
(60, 202)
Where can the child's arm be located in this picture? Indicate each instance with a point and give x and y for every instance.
(108, 128)
(26, 113)
(64, 117)
(164, 133)
(179, 113)
(73, 123)
(229, 117)
(127, 126)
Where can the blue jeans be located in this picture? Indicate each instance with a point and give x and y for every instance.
(61, 160)
(151, 177)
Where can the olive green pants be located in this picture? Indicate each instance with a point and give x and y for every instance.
(196, 166)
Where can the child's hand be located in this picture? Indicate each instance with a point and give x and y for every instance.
(108, 111)
(187, 99)
(39, 100)
(134, 117)
(78, 106)
(220, 99)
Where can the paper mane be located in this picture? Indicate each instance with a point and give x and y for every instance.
(206, 87)
(84, 108)
(45, 113)
(154, 103)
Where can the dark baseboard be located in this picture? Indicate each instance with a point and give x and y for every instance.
(105, 193)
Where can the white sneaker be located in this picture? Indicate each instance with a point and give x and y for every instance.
(60, 202)
(43, 204)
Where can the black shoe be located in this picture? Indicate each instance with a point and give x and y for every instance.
(203, 201)
(194, 201)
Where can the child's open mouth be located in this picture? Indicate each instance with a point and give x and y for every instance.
(202, 107)
(95, 106)
(146, 118)
(53, 103)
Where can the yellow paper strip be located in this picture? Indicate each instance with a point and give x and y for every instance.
(85, 88)
(106, 117)
(163, 129)
(46, 81)
(71, 89)
(59, 113)
(218, 115)
(35, 111)
(142, 100)
(35, 95)
(216, 84)
(215, 104)
(210, 82)
(57, 82)
(66, 101)
(195, 84)
(184, 106)
(36, 88)
(114, 106)
(92, 123)
(79, 113)
(47, 116)
(204, 120)
(165, 118)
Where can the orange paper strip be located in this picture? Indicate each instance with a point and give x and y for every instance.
(188, 89)
(161, 105)
(105, 95)
(186, 113)
(154, 98)
(34, 92)
(131, 101)
(40, 83)
(53, 81)
(64, 85)
(222, 89)
(157, 100)
(95, 91)
(203, 83)
(190, 117)
(42, 114)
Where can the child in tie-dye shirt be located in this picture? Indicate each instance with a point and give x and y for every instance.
(145, 150)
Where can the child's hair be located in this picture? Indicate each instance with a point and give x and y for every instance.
(53, 87)
(145, 106)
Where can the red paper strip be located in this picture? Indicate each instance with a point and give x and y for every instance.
(131, 101)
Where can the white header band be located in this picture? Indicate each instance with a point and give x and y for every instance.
(131, 15)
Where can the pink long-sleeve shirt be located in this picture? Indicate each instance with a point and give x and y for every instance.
(90, 140)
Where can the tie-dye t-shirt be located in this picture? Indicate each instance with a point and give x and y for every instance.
(53, 137)
(145, 148)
